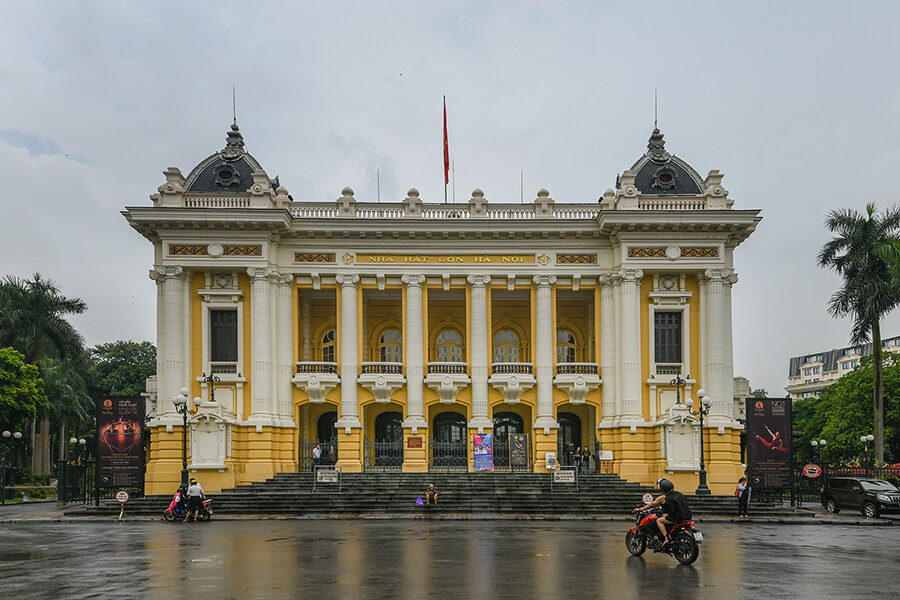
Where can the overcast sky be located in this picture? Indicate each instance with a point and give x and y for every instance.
(797, 103)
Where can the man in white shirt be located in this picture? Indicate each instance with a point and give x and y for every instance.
(195, 500)
(317, 456)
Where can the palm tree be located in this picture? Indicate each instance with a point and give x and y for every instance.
(870, 291)
(32, 320)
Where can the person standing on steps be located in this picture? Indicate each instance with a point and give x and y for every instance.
(743, 495)
(317, 456)
(331, 458)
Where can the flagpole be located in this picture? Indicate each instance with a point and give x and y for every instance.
(446, 152)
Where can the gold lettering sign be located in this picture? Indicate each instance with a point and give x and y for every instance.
(445, 259)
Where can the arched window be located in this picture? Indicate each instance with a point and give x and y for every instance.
(565, 346)
(328, 346)
(388, 427)
(390, 346)
(326, 433)
(450, 427)
(449, 346)
(506, 424)
(506, 346)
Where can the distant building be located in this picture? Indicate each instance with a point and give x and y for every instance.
(811, 373)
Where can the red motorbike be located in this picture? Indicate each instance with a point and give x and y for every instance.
(645, 534)
(179, 511)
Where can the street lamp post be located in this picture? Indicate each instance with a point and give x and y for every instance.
(79, 457)
(702, 411)
(866, 440)
(818, 446)
(181, 405)
(5, 459)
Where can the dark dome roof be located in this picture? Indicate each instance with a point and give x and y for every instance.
(229, 171)
(662, 174)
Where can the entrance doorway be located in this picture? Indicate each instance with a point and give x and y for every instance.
(325, 436)
(448, 446)
(385, 452)
(505, 425)
(568, 437)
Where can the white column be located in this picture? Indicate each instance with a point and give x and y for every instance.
(608, 349)
(261, 370)
(729, 345)
(720, 382)
(172, 332)
(307, 334)
(630, 360)
(415, 354)
(479, 336)
(545, 351)
(284, 352)
(349, 352)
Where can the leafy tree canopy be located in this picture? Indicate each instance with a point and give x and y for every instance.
(21, 389)
(844, 413)
(759, 393)
(121, 368)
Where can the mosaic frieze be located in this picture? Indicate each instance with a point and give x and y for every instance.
(327, 257)
(663, 253)
(182, 250)
(576, 259)
(700, 252)
(647, 252)
(242, 250)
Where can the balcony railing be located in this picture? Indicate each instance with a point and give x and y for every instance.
(446, 368)
(384, 368)
(223, 368)
(577, 368)
(504, 368)
(317, 367)
(668, 368)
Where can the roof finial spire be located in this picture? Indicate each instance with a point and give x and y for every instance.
(234, 141)
(234, 104)
(655, 109)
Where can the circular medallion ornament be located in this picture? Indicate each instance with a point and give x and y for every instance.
(673, 252)
(226, 175)
(215, 250)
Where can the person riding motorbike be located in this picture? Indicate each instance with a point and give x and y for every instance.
(179, 499)
(674, 506)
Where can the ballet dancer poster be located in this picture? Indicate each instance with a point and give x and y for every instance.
(769, 459)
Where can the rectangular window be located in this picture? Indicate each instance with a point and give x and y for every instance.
(223, 335)
(816, 371)
(667, 335)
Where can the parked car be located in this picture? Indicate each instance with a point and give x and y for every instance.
(870, 496)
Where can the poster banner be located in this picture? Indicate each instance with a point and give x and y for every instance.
(484, 451)
(120, 448)
(769, 459)
(518, 450)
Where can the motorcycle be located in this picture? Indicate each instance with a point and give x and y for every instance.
(684, 544)
(180, 510)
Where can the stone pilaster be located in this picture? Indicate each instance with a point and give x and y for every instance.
(608, 350)
(479, 335)
(172, 336)
(285, 341)
(719, 381)
(630, 353)
(307, 334)
(413, 343)
(545, 352)
(349, 352)
(262, 366)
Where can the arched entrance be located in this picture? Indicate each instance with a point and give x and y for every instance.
(448, 445)
(317, 430)
(385, 452)
(505, 425)
(568, 436)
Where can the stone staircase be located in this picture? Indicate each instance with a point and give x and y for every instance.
(394, 494)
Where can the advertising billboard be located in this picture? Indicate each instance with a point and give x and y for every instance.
(120, 448)
(518, 450)
(769, 442)
(484, 451)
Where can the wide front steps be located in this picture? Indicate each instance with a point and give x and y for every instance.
(460, 493)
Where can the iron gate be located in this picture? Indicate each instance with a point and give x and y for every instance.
(306, 448)
(448, 456)
(383, 456)
(501, 457)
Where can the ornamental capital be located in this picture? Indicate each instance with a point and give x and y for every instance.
(543, 281)
(478, 280)
(160, 273)
(722, 274)
(413, 280)
(259, 273)
(347, 280)
(631, 275)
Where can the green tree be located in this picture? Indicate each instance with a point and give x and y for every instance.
(121, 368)
(869, 290)
(21, 390)
(844, 412)
(759, 393)
(67, 382)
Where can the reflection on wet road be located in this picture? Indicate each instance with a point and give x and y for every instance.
(441, 559)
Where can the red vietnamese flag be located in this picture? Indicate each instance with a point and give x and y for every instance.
(446, 147)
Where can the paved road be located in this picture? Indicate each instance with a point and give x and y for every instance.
(325, 559)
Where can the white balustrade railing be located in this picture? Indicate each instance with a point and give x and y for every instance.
(672, 204)
(216, 202)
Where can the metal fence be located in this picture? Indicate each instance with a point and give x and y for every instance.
(306, 448)
(502, 461)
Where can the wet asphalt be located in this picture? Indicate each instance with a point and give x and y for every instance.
(402, 559)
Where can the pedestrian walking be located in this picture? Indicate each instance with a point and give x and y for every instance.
(586, 459)
(743, 495)
(317, 456)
